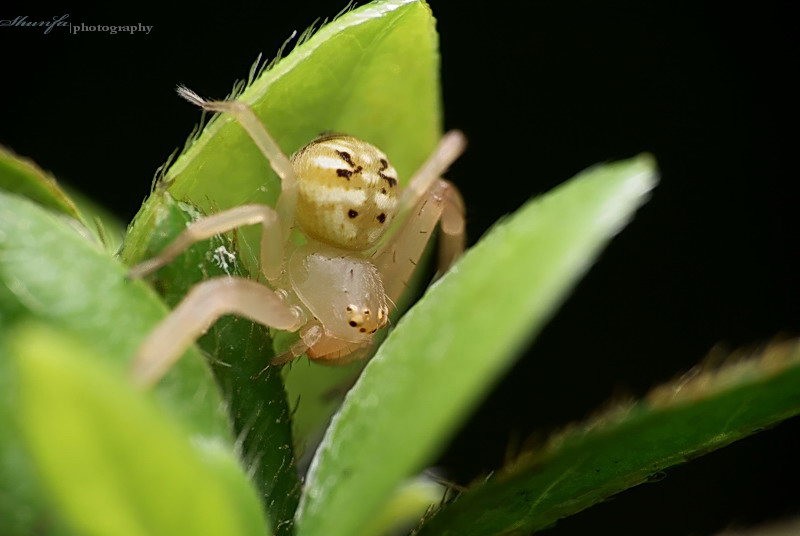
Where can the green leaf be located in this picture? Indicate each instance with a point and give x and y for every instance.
(317, 392)
(24, 508)
(113, 463)
(463, 334)
(51, 273)
(240, 349)
(57, 276)
(630, 444)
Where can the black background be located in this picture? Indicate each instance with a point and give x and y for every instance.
(542, 90)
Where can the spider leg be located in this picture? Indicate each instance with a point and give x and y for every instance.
(345, 355)
(204, 304)
(398, 260)
(452, 239)
(308, 338)
(279, 162)
(221, 222)
(449, 149)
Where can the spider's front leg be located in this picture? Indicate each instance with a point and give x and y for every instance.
(397, 262)
(205, 303)
(280, 163)
(271, 238)
(211, 299)
(426, 201)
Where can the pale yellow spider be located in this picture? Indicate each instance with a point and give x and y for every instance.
(336, 289)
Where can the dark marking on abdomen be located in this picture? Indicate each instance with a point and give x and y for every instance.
(344, 155)
(384, 166)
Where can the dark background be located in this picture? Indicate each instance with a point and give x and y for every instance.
(542, 90)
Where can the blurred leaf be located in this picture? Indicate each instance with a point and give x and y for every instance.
(55, 275)
(258, 408)
(446, 350)
(112, 462)
(406, 507)
(50, 273)
(630, 444)
(106, 226)
(20, 175)
(24, 508)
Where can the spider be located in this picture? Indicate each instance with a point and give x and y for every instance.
(364, 237)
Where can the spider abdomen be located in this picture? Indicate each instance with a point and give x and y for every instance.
(348, 191)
